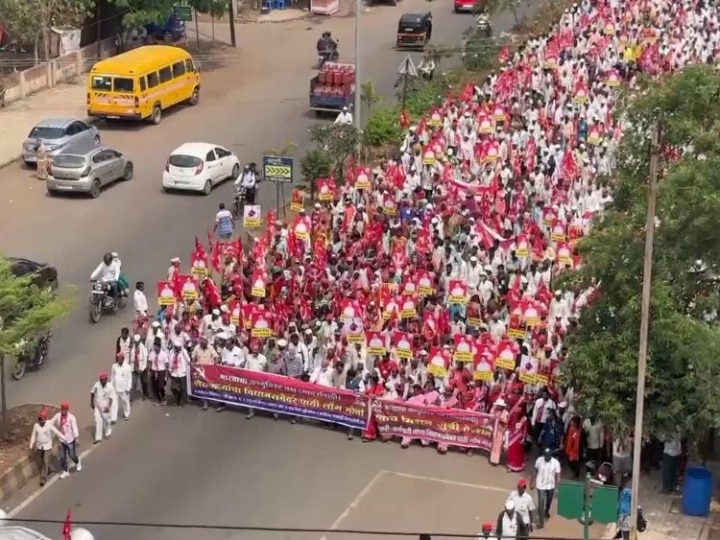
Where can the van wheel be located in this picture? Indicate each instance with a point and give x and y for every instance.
(95, 189)
(156, 117)
(194, 97)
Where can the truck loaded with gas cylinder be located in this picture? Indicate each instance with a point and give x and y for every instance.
(332, 88)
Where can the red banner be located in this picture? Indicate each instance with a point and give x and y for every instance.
(455, 427)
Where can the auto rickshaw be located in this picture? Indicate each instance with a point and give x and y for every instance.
(414, 30)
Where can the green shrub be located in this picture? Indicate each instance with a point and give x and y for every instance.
(383, 127)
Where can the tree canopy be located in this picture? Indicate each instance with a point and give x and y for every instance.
(26, 309)
(682, 388)
(136, 13)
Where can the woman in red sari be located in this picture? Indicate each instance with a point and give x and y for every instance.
(517, 426)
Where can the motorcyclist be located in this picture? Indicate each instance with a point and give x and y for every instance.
(248, 181)
(108, 272)
(123, 283)
(427, 66)
(483, 23)
(345, 117)
(326, 46)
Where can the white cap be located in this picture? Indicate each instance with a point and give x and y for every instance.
(81, 534)
(136, 338)
(308, 332)
(156, 324)
(224, 309)
(216, 312)
(562, 405)
(317, 205)
(510, 505)
(282, 342)
(115, 254)
(221, 335)
(500, 402)
(473, 259)
(175, 260)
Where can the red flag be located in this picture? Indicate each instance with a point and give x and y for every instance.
(67, 526)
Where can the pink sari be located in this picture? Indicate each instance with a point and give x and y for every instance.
(516, 448)
(501, 424)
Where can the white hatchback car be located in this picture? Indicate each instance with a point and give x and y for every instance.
(199, 167)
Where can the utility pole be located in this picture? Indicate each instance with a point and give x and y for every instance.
(644, 323)
(358, 78)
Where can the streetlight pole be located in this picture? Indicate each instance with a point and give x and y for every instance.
(644, 324)
(358, 79)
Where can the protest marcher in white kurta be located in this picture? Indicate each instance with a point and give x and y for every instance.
(121, 378)
(102, 396)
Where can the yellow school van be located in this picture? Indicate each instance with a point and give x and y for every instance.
(142, 83)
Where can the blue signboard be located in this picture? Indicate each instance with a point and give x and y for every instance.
(278, 169)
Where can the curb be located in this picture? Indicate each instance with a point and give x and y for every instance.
(4, 162)
(17, 476)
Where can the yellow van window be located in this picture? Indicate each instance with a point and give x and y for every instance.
(143, 87)
(178, 69)
(123, 85)
(152, 79)
(103, 83)
(165, 74)
(189, 65)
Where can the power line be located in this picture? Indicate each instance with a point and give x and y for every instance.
(244, 528)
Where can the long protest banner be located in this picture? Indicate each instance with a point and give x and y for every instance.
(278, 394)
(284, 395)
(455, 427)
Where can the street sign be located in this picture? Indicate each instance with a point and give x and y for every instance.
(278, 169)
(183, 13)
(407, 67)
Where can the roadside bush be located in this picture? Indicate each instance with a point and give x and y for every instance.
(422, 95)
(383, 127)
(316, 163)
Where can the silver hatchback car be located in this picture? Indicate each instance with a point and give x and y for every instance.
(57, 134)
(87, 171)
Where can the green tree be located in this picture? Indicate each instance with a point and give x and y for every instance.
(681, 388)
(339, 141)
(368, 96)
(137, 13)
(26, 312)
(383, 127)
(316, 163)
(493, 7)
(30, 21)
(480, 52)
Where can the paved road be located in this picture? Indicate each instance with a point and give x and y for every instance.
(264, 473)
(210, 468)
(255, 98)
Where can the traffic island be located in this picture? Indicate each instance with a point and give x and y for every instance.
(15, 458)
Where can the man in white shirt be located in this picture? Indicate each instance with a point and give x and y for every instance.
(545, 479)
(323, 374)
(524, 505)
(159, 362)
(541, 410)
(248, 181)
(139, 361)
(232, 355)
(66, 423)
(509, 524)
(102, 396)
(140, 300)
(255, 361)
(108, 272)
(595, 434)
(121, 377)
(344, 118)
(672, 449)
(179, 362)
(41, 443)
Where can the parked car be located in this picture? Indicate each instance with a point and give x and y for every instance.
(199, 167)
(57, 134)
(44, 274)
(173, 30)
(87, 170)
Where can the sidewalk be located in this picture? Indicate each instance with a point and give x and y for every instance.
(665, 520)
(19, 117)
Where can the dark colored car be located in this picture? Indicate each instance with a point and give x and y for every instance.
(414, 30)
(173, 30)
(44, 275)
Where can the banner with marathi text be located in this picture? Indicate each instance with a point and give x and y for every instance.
(456, 427)
(285, 395)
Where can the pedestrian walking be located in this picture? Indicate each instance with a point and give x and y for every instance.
(159, 363)
(524, 506)
(179, 362)
(66, 423)
(121, 377)
(102, 396)
(41, 443)
(545, 479)
(139, 359)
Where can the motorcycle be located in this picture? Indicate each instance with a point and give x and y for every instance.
(483, 25)
(30, 356)
(102, 301)
(238, 202)
(427, 72)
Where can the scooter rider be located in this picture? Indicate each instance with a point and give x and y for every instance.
(248, 181)
(427, 67)
(108, 272)
(345, 117)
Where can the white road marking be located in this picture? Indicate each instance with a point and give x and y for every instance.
(449, 482)
(354, 504)
(55, 478)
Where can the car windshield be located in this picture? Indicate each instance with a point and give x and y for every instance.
(71, 162)
(44, 132)
(186, 162)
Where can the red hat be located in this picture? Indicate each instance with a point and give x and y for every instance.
(103, 375)
(42, 415)
(65, 406)
(522, 483)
